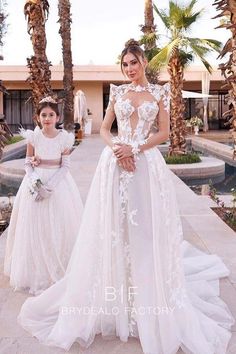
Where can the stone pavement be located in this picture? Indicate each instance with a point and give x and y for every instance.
(201, 227)
(217, 135)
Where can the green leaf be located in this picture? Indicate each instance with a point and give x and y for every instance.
(163, 57)
(213, 43)
(163, 16)
(178, 20)
(201, 52)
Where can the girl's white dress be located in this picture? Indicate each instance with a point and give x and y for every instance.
(126, 273)
(41, 235)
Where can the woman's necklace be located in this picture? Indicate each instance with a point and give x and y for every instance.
(139, 88)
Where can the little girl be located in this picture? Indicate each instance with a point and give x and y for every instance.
(47, 209)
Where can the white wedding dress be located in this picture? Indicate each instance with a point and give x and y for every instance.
(126, 274)
(41, 235)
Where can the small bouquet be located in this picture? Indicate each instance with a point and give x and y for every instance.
(34, 185)
(188, 124)
(196, 121)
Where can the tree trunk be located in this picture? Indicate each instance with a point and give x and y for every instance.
(65, 32)
(36, 12)
(228, 69)
(3, 26)
(5, 133)
(148, 29)
(149, 26)
(178, 129)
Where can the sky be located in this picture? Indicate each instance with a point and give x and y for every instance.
(99, 30)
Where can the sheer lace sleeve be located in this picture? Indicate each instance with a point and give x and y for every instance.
(112, 97)
(163, 119)
(67, 140)
(165, 95)
(154, 128)
(162, 95)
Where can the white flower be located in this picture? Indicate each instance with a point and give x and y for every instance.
(125, 109)
(148, 111)
(196, 121)
(131, 217)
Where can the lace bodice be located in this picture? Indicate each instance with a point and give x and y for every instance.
(48, 148)
(136, 109)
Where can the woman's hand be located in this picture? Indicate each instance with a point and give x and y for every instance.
(122, 151)
(127, 163)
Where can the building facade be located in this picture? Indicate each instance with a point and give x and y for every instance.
(94, 81)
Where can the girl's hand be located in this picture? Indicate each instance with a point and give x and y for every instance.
(122, 151)
(128, 164)
(43, 193)
(35, 161)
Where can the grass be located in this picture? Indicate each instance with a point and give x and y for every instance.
(182, 159)
(14, 139)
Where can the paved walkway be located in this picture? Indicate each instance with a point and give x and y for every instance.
(201, 226)
(217, 135)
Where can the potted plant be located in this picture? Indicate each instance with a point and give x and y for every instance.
(188, 125)
(88, 123)
(196, 123)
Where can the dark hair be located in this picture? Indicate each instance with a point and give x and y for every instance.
(53, 106)
(132, 46)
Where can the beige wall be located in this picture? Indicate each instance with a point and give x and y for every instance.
(92, 90)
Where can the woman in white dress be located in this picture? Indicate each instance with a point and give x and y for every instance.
(47, 209)
(126, 277)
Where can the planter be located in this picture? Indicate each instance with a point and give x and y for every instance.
(196, 129)
(88, 127)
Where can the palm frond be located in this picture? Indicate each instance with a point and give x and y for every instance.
(188, 20)
(175, 15)
(209, 44)
(163, 57)
(207, 65)
(163, 16)
(150, 53)
(178, 20)
(201, 52)
(213, 43)
(182, 16)
(186, 58)
(192, 4)
(148, 38)
(175, 10)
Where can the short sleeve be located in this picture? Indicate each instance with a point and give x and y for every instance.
(165, 95)
(112, 97)
(68, 140)
(30, 135)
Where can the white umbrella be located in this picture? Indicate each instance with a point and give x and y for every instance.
(190, 94)
(205, 90)
(80, 108)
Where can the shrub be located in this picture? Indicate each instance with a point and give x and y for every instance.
(183, 159)
(15, 139)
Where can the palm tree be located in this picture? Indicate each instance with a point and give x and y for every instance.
(65, 32)
(176, 54)
(228, 69)
(149, 29)
(36, 12)
(5, 133)
(149, 39)
(3, 25)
